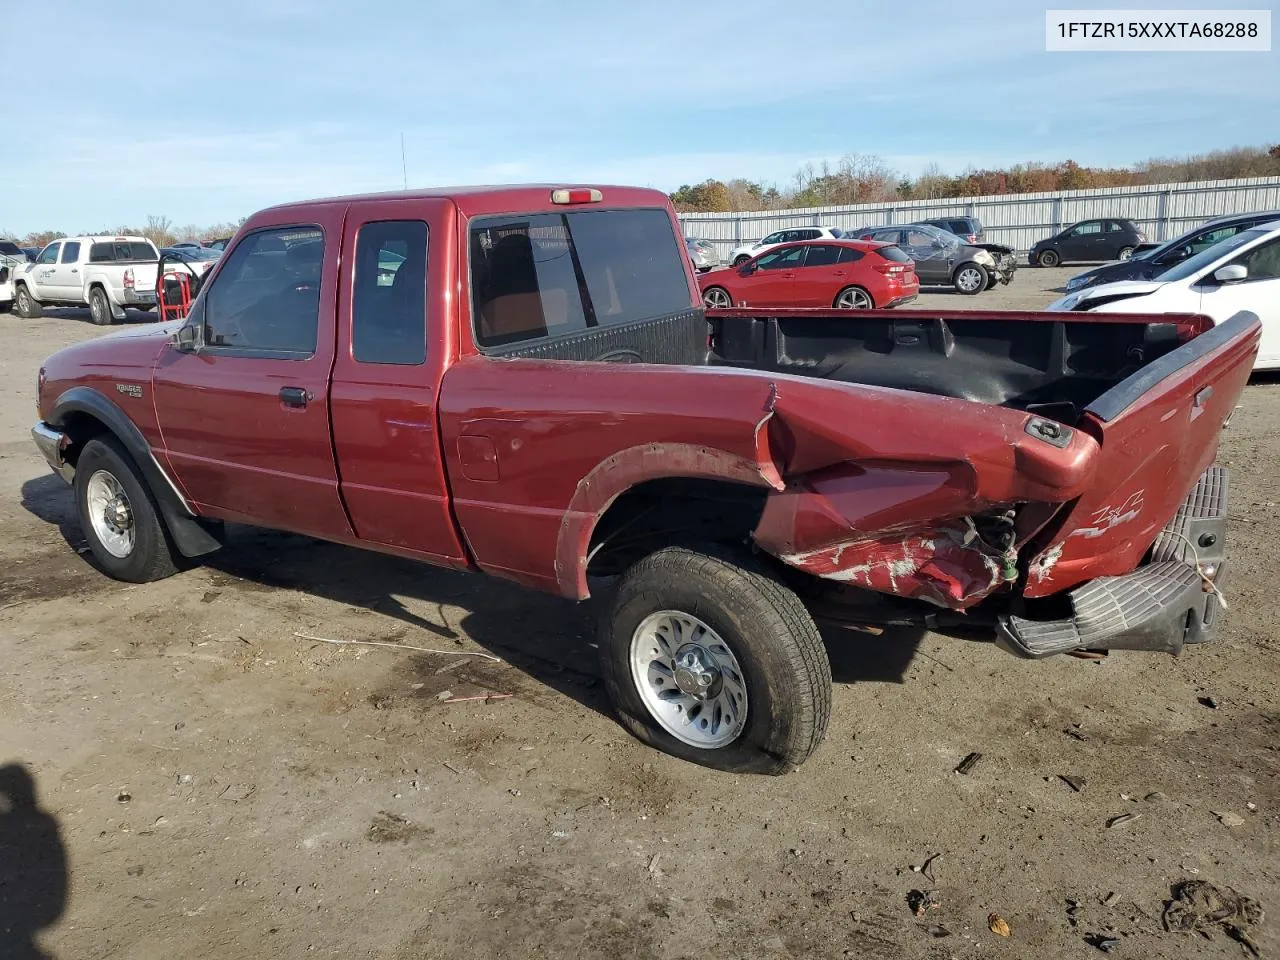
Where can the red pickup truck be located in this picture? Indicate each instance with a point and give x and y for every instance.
(522, 381)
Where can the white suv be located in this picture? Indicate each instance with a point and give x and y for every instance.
(790, 235)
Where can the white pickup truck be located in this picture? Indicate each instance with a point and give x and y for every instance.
(106, 274)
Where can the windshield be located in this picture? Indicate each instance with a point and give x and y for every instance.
(1210, 255)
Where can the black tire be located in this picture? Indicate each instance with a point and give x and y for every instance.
(712, 293)
(766, 626)
(1049, 258)
(153, 556)
(862, 297)
(100, 308)
(1125, 253)
(740, 260)
(970, 279)
(25, 305)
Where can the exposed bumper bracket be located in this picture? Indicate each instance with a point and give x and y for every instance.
(1159, 607)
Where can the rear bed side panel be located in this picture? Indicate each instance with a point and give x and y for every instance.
(538, 449)
(1158, 432)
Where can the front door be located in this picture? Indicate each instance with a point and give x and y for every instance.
(1084, 242)
(1258, 293)
(933, 265)
(244, 420)
(44, 271)
(772, 284)
(386, 377)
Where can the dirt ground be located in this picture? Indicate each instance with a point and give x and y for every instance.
(211, 785)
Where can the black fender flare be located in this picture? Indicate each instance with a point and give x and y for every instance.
(193, 536)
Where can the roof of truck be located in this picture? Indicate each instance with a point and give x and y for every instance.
(499, 198)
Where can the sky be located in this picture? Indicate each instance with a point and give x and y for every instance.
(206, 112)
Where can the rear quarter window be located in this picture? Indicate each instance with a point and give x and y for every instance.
(554, 274)
(895, 254)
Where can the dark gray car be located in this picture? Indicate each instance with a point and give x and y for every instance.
(943, 259)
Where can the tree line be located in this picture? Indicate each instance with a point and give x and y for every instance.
(862, 178)
(159, 230)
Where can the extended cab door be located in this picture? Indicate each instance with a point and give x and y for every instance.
(244, 418)
(393, 350)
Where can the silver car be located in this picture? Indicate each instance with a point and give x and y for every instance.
(703, 253)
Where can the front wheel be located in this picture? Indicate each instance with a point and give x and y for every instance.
(25, 305)
(99, 308)
(1125, 253)
(1049, 258)
(716, 298)
(853, 298)
(970, 279)
(708, 657)
(119, 516)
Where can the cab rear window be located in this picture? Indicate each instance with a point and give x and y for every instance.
(120, 251)
(552, 274)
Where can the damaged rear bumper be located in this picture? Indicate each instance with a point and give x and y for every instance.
(1159, 607)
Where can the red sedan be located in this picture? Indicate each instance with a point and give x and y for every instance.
(854, 274)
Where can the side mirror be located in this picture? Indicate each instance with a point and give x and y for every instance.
(1231, 273)
(748, 269)
(187, 339)
(938, 244)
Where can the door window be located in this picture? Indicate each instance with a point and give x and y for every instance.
(777, 236)
(781, 259)
(887, 236)
(70, 252)
(389, 296)
(1091, 229)
(266, 299)
(920, 244)
(821, 255)
(1262, 262)
(49, 254)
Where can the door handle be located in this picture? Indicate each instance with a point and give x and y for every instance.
(294, 396)
(74, 270)
(838, 273)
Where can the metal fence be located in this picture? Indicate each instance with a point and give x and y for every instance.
(1162, 211)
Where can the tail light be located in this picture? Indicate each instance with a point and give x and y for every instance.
(892, 269)
(971, 238)
(128, 278)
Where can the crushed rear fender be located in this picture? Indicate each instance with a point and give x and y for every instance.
(915, 496)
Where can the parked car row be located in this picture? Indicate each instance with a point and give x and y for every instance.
(1239, 271)
(106, 274)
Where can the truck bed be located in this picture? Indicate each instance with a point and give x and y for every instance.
(1049, 366)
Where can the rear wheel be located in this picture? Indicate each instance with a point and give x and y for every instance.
(1125, 253)
(716, 298)
(740, 260)
(99, 307)
(119, 516)
(24, 304)
(854, 298)
(709, 658)
(1049, 258)
(970, 279)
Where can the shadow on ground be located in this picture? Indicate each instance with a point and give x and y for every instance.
(550, 639)
(33, 866)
